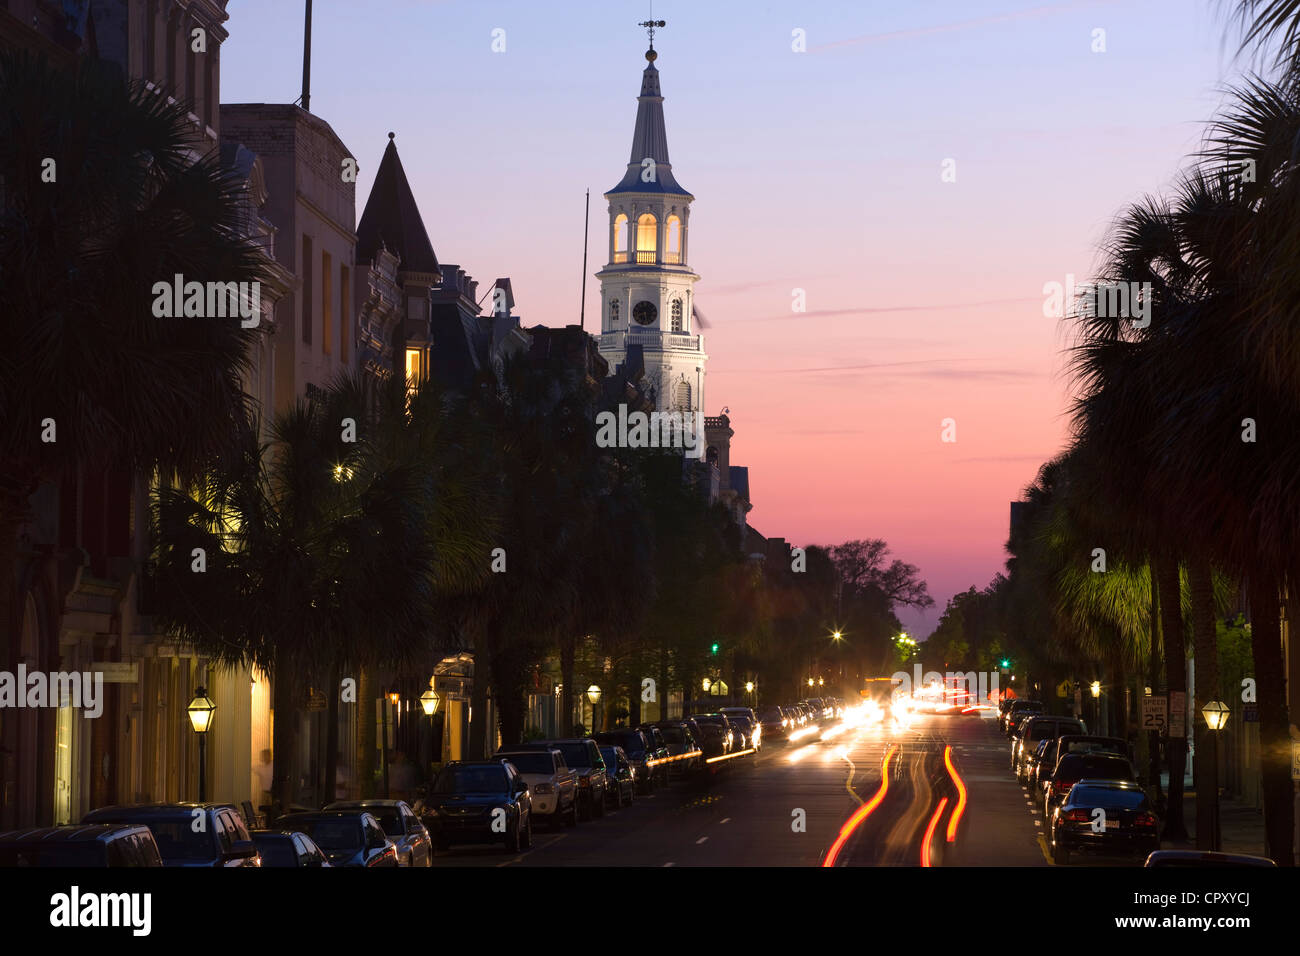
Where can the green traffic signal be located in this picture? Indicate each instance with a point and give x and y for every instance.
(715, 648)
(1005, 662)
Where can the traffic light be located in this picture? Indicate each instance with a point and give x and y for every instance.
(715, 648)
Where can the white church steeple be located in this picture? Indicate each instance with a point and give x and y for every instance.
(647, 286)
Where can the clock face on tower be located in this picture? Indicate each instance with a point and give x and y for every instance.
(644, 312)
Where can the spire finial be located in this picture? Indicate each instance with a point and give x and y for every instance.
(392, 135)
(650, 26)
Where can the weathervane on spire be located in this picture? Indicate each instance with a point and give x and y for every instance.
(650, 27)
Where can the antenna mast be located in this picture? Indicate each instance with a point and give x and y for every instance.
(586, 225)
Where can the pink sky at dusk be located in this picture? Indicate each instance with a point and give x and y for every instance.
(817, 171)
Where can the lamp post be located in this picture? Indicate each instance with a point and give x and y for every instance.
(1095, 688)
(749, 689)
(1216, 718)
(200, 711)
(593, 695)
(391, 697)
(429, 701)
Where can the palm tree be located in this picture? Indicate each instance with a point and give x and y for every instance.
(128, 206)
(319, 550)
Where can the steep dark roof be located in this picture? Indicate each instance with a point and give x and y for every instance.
(649, 140)
(392, 219)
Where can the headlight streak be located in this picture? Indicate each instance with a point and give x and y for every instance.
(960, 808)
(929, 832)
(862, 812)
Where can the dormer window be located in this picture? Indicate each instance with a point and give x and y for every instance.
(620, 238)
(647, 238)
(673, 241)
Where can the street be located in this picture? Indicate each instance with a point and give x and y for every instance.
(748, 815)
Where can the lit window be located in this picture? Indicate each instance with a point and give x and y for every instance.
(646, 238)
(414, 368)
(677, 315)
(674, 241)
(620, 238)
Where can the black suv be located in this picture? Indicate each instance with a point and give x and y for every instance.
(1124, 825)
(481, 801)
(189, 834)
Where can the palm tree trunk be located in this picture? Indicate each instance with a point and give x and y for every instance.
(567, 643)
(1153, 736)
(1274, 737)
(365, 735)
(483, 649)
(1171, 616)
(329, 791)
(284, 743)
(1206, 650)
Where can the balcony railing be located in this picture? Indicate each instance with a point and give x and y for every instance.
(646, 256)
(651, 340)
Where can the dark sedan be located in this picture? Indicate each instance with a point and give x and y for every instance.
(348, 837)
(484, 801)
(288, 848)
(639, 753)
(1104, 816)
(401, 825)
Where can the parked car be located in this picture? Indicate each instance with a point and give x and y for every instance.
(1128, 827)
(659, 748)
(189, 834)
(582, 754)
(551, 784)
(348, 837)
(1037, 729)
(684, 754)
(1018, 709)
(400, 824)
(1044, 753)
(289, 848)
(748, 732)
(1205, 858)
(1072, 768)
(639, 753)
(717, 740)
(1091, 743)
(775, 723)
(622, 782)
(78, 845)
(482, 801)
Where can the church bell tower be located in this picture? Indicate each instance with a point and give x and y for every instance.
(647, 286)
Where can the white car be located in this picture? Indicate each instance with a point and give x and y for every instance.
(553, 786)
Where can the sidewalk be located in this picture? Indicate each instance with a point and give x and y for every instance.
(1241, 827)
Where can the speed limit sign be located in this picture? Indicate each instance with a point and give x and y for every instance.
(1155, 713)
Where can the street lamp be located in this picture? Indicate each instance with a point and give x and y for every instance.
(810, 682)
(706, 684)
(593, 695)
(1216, 717)
(200, 711)
(430, 700)
(1096, 688)
(821, 682)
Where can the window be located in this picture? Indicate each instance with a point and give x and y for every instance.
(674, 240)
(306, 289)
(345, 312)
(620, 238)
(647, 238)
(613, 312)
(677, 315)
(682, 395)
(326, 302)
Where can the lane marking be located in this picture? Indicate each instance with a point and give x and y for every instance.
(726, 820)
(700, 840)
(670, 864)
